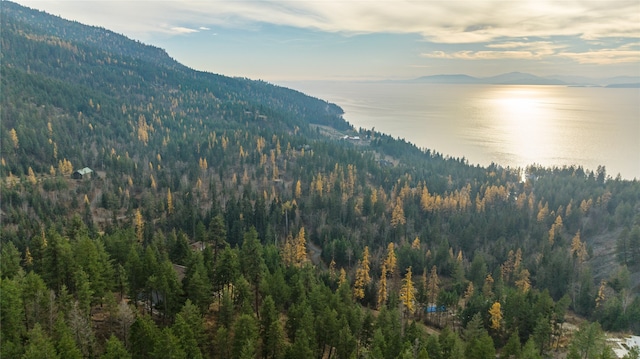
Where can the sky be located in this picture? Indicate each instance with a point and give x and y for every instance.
(375, 40)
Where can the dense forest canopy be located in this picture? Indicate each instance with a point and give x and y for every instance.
(230, 218)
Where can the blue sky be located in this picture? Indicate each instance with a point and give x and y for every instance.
(394, 39)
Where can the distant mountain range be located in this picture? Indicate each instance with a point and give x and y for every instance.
(521, 78)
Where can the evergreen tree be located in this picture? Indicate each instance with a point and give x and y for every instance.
(301, 347)
(196, 285)
(252, 263)
(222, 342)
(588, 341)
(143, 337)
(9, 260)
(186, 338)
(245, 330)
(271, 332)
(449, 344)
(114, 349)
(513, 349)
(58, 261)
(64, 341)
(530, 350)
(34, 295)
(39, 345)
(168, 346)
(11, 318)
(481, 348)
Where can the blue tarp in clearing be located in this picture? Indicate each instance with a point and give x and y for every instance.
(433, 309)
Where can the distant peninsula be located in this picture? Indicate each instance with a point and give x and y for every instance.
(522, 78)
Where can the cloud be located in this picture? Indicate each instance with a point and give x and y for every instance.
(437, 21)
(604, 57)
(482, 55)
(454, 29)
(182, 30)
(522, 50)
(537, 50)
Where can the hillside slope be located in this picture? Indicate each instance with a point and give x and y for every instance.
(240, 205)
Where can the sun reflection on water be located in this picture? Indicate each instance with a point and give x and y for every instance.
(509, 125)
(523, 122)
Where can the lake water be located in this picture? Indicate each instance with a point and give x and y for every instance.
(510, 125)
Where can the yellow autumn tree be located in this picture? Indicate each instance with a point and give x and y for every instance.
(543, 212)
(245, 177)
(139, 223)
(523, 283)
(28, 258)
(260, 143)
(65, 167)
(511, 265)
(578, 248)
(397, 216)
(569, 210)
(362, 275)
(518, 259)
(480, 204)
(224, 142)
(298, 191)
(391, 261)
(202, 163)
(318, 184)
(374, 196)
(495, 314)
(294, 251)
(14, 138)
(468, 293)
(426, 200)
(416, 243)
(382, 288)
(169, 201)
(332, 269)
(408, 292)
(521, 201)
(433, 286)
(31, 177)
(288, 251)
(555, 228)
(487, 287)
(343, 277)
(300, 248)
(143, 129)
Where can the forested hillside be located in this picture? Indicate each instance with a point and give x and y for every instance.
(228, 218)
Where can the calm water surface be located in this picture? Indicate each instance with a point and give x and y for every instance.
(506, 124)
